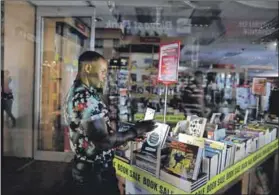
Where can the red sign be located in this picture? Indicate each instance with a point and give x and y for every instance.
(259, 86)
(80, 26)
(169, 62)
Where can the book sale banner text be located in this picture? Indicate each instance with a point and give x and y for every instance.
(157, 186)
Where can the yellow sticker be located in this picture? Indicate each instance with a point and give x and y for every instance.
(216, 146)
(160, 118)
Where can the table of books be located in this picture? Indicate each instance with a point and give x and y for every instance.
(153, 185)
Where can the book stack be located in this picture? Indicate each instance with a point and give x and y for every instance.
(187, 185)
(269, 132)
(243, 146)
(183, 165)
(147, 157)
(146, 161)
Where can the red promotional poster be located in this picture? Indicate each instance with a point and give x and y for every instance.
(259, 86)
(169, 63)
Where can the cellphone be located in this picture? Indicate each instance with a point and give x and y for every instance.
(149, 114)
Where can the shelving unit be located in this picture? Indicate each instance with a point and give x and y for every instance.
(239, 172)
(118, 93)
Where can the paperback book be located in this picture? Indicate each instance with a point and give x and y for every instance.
(184, 160)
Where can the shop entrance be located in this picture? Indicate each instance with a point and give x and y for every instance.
(62, 34)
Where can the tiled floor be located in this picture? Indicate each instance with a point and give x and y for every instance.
(40, 177)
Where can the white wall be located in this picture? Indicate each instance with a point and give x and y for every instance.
(19, 27)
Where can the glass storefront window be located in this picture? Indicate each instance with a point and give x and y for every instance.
(228, 47)
(229, 42)
(64, 39)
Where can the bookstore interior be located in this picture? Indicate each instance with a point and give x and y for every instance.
(209, 80)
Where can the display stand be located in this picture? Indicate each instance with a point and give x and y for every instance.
(218, 184)
(168, 74)
(165, 105)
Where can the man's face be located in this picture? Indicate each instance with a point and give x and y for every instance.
(199, 79)
(98, 73)
(103, 68)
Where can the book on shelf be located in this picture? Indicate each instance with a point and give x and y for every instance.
(217, 134)
(218, 146)
(196, 126)
(210, 163)
(188, 139)
(240, 151)
(184, 160)
(232, 154)
(155, 139)
(241, 140)
(255, 134)
(147, 161)
(187, 185)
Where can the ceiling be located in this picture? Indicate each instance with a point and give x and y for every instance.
(233, 32)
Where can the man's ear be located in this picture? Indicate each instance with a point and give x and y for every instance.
(87, 68)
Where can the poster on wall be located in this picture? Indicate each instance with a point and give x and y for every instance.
(259, 86)
(169, 62)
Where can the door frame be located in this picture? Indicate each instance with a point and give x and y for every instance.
(52, 11)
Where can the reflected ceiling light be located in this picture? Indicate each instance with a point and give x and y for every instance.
(111, 5)
(98, 19)
(275, 43)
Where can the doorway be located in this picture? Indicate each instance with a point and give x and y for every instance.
(62, 35)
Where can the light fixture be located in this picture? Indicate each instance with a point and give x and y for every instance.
(275, 43)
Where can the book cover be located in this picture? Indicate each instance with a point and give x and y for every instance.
(236, 139)
(196, 126)
(218, 153)
(210, 129)
(184, 160)
(233, 150)
(155, 139)
(217, 135)
(210, 163)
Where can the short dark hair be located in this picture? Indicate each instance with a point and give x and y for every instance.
(88, 56)
(198, 73)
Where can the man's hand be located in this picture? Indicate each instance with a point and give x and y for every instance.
(142, 127)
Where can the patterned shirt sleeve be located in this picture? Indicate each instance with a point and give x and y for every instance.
(83, 106)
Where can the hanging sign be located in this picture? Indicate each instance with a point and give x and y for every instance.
(259, 86)
(169, 62)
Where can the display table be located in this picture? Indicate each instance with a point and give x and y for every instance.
(217, 184)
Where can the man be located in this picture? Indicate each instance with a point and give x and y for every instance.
(193, 96)
(7, 97)
(91, 135)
